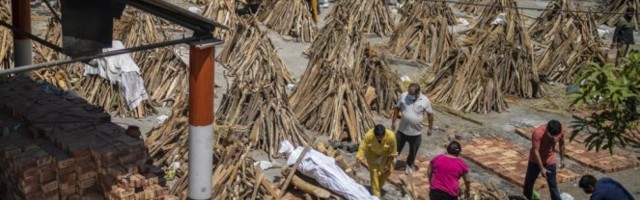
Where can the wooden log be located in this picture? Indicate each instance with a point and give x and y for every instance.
(316, 191)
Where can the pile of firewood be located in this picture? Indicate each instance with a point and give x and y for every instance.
(234, 176)
(372, 17)
(616, 9)
(328, 99)
(257, 97)
(374, 72)
(425, 10)
(473, 6)
(6, 37)
(336, 34)
(290, 17)
(330, 102)
(249, 53)
(499, 63)
(223, 12)
(490, 14)
(553, 21)
(572, 39)
(421, 39)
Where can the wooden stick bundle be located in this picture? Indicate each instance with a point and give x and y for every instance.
(615, 9)
(234, 176)
(573, 42)
(468, 7)
(329, 101)
(500, 62)
(421, 39)
(466, 84)
(372, 17)
(424, 10)
(6, 41)
(290, 17)
(249, 53)
(223, 12)
(552, 21)
(374, 72)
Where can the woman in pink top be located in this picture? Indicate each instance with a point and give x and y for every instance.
(444, 172)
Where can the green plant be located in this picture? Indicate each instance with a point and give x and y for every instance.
(613, 90)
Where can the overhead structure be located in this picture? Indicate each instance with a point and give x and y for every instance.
(290, 17)
(223, 12)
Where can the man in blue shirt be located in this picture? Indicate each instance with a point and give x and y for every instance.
(604, 189)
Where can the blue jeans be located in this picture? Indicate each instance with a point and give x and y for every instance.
(533, 170)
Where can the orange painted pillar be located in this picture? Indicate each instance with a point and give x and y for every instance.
(201, 82)
(21, 18)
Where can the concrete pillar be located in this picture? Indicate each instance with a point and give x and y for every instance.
(201, 82)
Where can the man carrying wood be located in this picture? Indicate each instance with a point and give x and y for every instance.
(623, 35)
(412, 105)
(379, 148)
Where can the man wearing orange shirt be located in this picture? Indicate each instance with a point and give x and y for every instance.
(542, 159)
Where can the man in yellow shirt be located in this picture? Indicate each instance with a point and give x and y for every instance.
(379, 148)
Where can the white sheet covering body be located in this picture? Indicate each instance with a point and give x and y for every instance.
(325, 170)
(121, 69)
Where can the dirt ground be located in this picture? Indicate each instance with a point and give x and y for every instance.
(520, 113)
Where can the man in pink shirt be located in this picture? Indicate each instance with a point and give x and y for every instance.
(444, 172)
(542, 159)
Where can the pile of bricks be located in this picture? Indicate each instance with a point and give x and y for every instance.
(506, 159)
(70, 150)
(602, 161)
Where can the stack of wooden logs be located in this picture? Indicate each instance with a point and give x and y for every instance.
(508, 46)
(425, 10)
(372, 17)
(223, 12)
(328, 99)
(473, 7)
(249, 53)
(234, 177)
(290, 17)
(421, 39)
(6, 41)
(374, 72)
(615, 10)
(499, 63)
(572, 39)
(257, 97)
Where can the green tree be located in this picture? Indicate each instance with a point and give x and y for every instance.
(613, 90)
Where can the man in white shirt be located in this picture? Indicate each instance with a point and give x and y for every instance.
(413, 106)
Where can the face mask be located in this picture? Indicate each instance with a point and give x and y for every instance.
(412, 97)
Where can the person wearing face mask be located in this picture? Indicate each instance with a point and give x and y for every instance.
(623, 35)
(411, 108)
(379, 149)
(445, 172)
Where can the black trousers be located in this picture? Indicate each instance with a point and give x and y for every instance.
(414, 145)
(440, 195)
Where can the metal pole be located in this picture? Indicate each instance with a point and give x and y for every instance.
(21, 18)
(201, 82)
